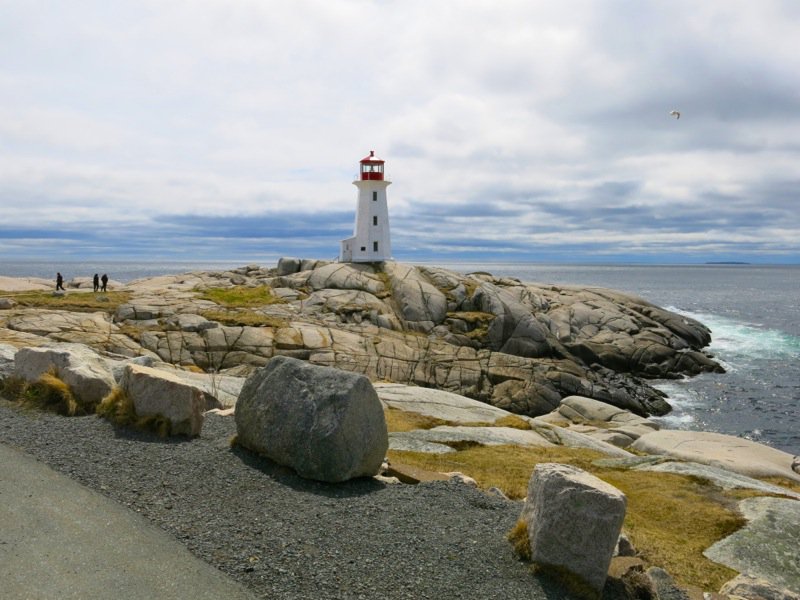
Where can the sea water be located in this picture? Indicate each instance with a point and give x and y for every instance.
(753, 312)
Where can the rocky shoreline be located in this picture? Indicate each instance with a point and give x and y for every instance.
(519, 346)
(464, 350)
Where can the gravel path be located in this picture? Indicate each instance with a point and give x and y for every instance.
(280, 535)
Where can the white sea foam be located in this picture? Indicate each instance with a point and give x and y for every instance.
(682, 400)
(734, 341)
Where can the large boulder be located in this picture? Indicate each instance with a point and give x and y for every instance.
(574, 520)
(288, 265)
(156, 392)
(86, 373)
(324, 423)
(7, 303)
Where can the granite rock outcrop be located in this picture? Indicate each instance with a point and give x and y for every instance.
(521, 347)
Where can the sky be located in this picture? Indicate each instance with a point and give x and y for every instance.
(512, 131)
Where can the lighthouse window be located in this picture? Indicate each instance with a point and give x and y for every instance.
(363, 248)
(374, 246)
(374, 196)
(374, 220)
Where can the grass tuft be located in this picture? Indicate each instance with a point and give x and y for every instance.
(400, 420)
(520, 542)
(242, 296)
(118, 408)
(48, 393)
(74, 301)
(243, 318)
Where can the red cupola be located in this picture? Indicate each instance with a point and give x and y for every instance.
(371, 167)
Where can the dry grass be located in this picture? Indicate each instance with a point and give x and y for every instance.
(74, 301)
(242, 296)
(383, 276)
(505, 467)
(472, 317)
(400, 420)
(513, 421)
(520, 542)
(48, 393)
(118, 408)
(243, 318)
(670, 518)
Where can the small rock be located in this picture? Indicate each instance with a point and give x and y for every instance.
(753, 588)
(664, 585)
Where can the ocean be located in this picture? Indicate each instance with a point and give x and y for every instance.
(753, 312)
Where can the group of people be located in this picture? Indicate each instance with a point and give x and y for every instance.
(96, 281)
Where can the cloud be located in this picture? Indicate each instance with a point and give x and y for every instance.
(527, 129)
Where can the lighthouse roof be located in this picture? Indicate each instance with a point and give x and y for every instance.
(371, 158)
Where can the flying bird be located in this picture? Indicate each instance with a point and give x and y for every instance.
(675, 114)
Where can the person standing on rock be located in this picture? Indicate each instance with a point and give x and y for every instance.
(96, 282)
(59, 282)
(104, 279)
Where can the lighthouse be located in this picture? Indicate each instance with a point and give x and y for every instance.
(370, 241)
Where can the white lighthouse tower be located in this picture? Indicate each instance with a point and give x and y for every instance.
(371, 241)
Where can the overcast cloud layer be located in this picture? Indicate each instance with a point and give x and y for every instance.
(512, 130)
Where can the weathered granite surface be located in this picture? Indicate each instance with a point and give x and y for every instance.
(716, 449)
(519, 347)
(767, 546)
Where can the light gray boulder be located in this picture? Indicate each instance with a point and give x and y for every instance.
(725, 479)
(719, 450)
(288, 265)
(190, 322)
(753, 588)
(156, 392)
(7, 303)
(118, 366)
(766, 547)
(574, 520)
(664, 586)
(136, 311)
(603, 421)
(438, 403)
(85, 372)
(308, 264)
(324, 423)
(7, 352)
(485, 436)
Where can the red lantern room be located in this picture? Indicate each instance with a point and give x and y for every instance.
(372, 167)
